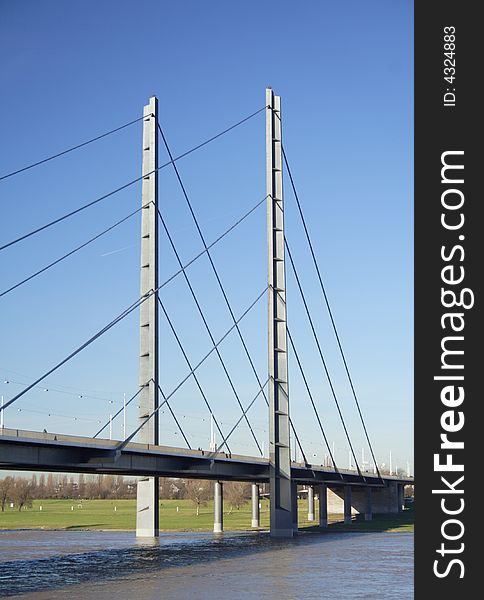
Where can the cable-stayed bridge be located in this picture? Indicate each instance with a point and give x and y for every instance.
(139, 452)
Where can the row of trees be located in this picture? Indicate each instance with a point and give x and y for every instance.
(20, 491)
(62, 486)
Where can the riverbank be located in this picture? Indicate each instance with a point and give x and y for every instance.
(175, 515)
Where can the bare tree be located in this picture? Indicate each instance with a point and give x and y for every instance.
(50, 486)
(6, 490)
(236, 494)
(60, 486)
(41, 493)
(63, 487)
(81, 486)
(22, 493)
(34, 486)
(198, 492)
(165, 487)
(118, 487)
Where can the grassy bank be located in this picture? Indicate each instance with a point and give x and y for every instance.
(175, 515)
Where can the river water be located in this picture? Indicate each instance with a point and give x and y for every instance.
(197, 566)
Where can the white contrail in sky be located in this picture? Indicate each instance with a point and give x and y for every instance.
(119, 250)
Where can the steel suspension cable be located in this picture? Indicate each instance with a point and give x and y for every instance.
(118, 412)
(312, 400)
(222, 289)
(114, 322)
(202, 237)
(79, 349)
(207, 327)
(330, 312)
(249, 406)
(187, 360)
(174, 417)
(130, 400)
(321, 355)
(195, 368)
(216, 136)
(129, 309)
(261, 391)
(94, 139)
(216, 241)
(70, 214)
(60, 259)
(126, 185)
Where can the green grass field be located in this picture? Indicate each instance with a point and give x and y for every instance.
(120, 515)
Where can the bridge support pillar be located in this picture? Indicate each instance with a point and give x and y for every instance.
(294, 511)
(323, 505)
(255, 506)
(278, 388)
(218, 508)
(347, 505)
(368, 504)
(147, 508)
(401, 497)
(310, 503)
(393, 496)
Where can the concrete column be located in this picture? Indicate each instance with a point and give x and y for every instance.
(368, 505)
(323, 505)
(255, 506)
(294, 507)
(393, 496)
(401, 497)
(218, 508)
(310, 503)
(147, 494)
(147, 507)
(278, 386)
(347, 507)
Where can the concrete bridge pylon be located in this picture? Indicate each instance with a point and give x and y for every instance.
(147, 500)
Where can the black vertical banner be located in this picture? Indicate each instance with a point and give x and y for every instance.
(448, 298)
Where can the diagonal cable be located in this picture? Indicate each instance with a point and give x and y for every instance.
(71, 252)
(174, 417)
(321, 355)
(202, 237)
(129, 402)
(81, 145)
(187, 360)
(71, 213)
(118, 412)
(79, 349)
(312, 400)
(330, 312)
(126, 185)
(195, 368)
(222, 289)
(127, 311)
(249, 406)
(207, 327)
(216, 241)
(290, 420)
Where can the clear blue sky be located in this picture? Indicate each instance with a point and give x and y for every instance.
(344, 70)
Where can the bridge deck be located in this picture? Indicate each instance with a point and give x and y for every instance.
(42, 451)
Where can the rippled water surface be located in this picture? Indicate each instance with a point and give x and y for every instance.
(59, 564)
